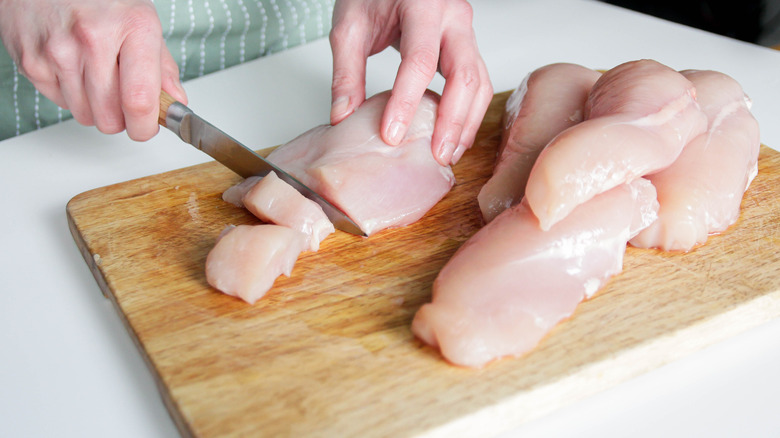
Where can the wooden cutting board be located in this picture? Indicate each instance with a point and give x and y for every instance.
(328, 352)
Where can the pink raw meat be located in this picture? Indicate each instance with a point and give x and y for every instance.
(701, 192)
(274, 201)
(511, 282)
(639, 116)
(378, 186)
(548, 101)
(247, 259)
(235, 194)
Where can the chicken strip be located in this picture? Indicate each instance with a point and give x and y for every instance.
(511, 282)
(701, 192)
(639, 116)
(548, 101)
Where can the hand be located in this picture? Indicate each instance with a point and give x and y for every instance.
(104, 60)
(428, 34)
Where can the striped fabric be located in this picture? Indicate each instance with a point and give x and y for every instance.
(203, 36)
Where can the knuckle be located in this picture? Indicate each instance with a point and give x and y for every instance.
(138, 101)
(109, 122)
(457, 124)
(57, 50)
(63, 56)
(82, 115)
(34, 68)
(488, 87)
(141, 20)
(348, 30)
(142, 134)
(142, 17)
(405, 105)
(468, 76)
(110, 127)
(464, 11)
(423, 61)
(338, 35)
(90, 37)
(342, 79)
(459, 13)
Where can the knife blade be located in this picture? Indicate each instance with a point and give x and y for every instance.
(242, 160)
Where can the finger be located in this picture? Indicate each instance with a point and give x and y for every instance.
(49, 87)
(29, 53)
(465, 75)
(101, 78)
(459, 92)
(68, 64)
(476, 115)
(348, 39)
(169, 73)
(140, 83)
(419, 47)
(38, 70)
(450, 120)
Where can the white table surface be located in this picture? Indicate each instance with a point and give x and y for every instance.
(69, 369)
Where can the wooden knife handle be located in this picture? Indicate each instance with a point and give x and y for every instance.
(166, 100)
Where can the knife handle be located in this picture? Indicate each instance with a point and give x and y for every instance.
(166, 100)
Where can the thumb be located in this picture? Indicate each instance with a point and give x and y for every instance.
(169, 73)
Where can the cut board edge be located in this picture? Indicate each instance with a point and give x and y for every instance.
(181, 423)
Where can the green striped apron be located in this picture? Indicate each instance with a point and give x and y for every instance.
(203, 36)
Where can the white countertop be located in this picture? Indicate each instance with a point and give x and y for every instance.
(68, 367)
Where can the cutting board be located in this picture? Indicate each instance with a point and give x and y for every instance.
(328, 352)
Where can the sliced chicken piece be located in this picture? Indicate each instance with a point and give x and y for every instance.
(235, 194)
(511, 282)
(378, 186)
(548, 101)
(639, 116)
(247, 259)
(274, 201)
(701, 192)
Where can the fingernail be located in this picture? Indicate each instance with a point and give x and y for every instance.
(182, 97)
(338, 109)
(459, 151)
(394, 135)
(445, 153)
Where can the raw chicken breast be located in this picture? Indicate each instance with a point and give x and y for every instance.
(511, 282)
(274, 201)
(701, 192)
(378, 186)
(549, 100)
(247, 259)
(639, 116)
(235, 194)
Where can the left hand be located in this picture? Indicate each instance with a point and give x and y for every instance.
(430, 35)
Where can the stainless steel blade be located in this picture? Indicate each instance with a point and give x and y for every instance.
(244, 161)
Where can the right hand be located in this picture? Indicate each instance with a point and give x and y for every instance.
(104, 60)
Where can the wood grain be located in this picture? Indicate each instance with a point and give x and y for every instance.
(166, 100)
(328, 352)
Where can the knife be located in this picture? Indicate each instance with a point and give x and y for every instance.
(235, 156)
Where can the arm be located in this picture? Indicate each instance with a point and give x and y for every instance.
(104, 60)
